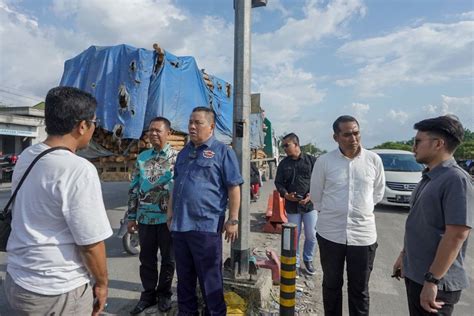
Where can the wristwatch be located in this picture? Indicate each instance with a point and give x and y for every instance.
(429, 277)
(232, 221)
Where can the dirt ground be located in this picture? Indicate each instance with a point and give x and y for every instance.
(308, 287)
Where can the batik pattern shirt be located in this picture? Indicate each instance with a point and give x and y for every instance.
(152, 182)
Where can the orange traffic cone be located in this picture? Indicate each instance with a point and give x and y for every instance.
(269, 212)
(278, 217)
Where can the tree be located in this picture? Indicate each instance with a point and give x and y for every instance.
(400, 145)
(311, 149)
(464, 151)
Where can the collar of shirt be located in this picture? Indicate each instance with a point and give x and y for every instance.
(438, 170)
(359, 155)
(163, 152)
(208, 143)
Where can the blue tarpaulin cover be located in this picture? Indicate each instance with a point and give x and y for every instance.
(130, 91)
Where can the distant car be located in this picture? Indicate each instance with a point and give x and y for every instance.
(402, 173)
(468, 165)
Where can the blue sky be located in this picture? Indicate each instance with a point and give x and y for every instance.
(389, 63)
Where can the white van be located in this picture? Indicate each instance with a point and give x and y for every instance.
(402, 173)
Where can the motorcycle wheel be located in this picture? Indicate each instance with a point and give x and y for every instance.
(131, 243)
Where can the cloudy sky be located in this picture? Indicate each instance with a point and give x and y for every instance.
(390, 63)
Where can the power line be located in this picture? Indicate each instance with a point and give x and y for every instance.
(21, 95)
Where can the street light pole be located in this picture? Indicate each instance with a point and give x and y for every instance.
(241, 137)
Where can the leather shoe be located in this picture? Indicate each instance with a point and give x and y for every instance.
(164, 304)
(141, 306)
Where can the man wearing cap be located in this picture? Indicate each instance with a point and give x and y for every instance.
(438, 225)
(207, 179)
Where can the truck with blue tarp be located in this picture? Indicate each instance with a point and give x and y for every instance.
(133, 85)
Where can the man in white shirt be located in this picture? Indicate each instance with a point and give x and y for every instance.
(345, 185)
(59, 221)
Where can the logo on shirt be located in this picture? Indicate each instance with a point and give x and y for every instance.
(208, 154)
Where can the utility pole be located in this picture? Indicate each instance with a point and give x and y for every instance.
(240, 251)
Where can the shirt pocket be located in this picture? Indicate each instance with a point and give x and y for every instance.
(304, 171)
(202, 170)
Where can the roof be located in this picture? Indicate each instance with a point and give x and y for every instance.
(391, 151)
(22, 110)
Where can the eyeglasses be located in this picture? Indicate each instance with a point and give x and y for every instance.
(349, 134)
(417, 141)
(96, 121)
(286, 145)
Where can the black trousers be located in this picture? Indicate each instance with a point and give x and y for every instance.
(152, 238)
(360, 262)
(413, 294)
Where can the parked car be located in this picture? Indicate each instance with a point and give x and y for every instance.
(402, 173)
(7, 164)
(468, 165)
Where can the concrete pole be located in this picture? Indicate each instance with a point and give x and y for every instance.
(241, 139)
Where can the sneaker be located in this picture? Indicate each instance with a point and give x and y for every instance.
(309, 267)
(164, 304)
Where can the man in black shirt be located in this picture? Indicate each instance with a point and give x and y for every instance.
(292, 181)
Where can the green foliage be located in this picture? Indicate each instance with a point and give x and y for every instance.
(312, 149)
(464, 151)
(400, 145)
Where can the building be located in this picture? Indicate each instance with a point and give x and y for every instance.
(21, 127)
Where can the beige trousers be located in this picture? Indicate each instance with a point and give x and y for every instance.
(23, 302)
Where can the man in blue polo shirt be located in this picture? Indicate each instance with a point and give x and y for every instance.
(207, 179)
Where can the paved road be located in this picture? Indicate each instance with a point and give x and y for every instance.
(387, 294)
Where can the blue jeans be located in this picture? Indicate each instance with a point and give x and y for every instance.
(309, 223)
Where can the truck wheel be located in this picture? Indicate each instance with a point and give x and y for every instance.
(131, 244)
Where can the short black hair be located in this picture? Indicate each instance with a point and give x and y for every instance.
(162, 119)
(343, 119)
(447, 127)
(65, 107)
(209, 113)
(292, 137)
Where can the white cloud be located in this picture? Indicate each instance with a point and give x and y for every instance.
(399, 116)
(430, 108)
(291, 91)
(360, 108)
(466, 15)
(429, 53)
(30, 61)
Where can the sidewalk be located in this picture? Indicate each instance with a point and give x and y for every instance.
(308, 287)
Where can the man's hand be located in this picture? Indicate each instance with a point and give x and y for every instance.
(428, 298)
(100, 298)
(132, 227)
(169, 220)
(231, 231)
(291, 197)
(397, 271)
(305, 200)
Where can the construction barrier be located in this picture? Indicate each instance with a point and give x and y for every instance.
(288, 269)
(278, 216)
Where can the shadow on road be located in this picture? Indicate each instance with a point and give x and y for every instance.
(392, 209)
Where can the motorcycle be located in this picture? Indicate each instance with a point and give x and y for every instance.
(130, 241)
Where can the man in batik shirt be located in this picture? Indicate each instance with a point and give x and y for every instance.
(148, 200)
